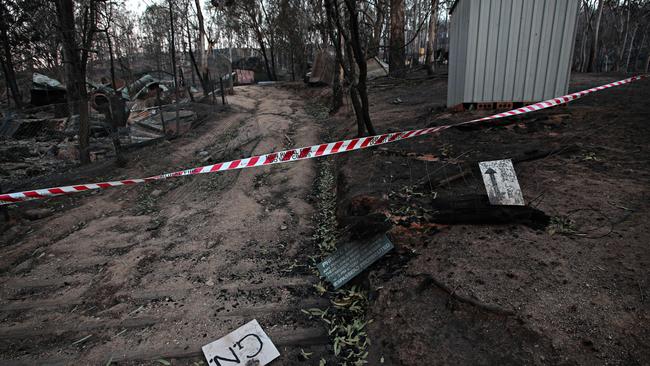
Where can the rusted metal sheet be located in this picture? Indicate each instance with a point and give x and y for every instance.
(244, 76)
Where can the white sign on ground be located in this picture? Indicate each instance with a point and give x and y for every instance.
(248, 345)
(501, 183)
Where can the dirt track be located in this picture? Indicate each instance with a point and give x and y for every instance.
(157, 271)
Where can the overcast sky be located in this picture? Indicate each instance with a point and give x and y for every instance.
(136, 6)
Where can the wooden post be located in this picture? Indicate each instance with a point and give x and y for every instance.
(162, 119)
(223, 93)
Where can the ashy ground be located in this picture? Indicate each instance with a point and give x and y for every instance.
(148, 274)
(572, 293)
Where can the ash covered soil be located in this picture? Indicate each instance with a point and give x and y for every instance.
(143, 273)
(568, 289)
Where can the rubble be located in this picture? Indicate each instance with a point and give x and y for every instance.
(44, 139)
(46, 90)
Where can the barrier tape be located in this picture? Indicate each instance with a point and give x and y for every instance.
(302, 153)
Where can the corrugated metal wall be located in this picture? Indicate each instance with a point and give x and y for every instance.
(510, 50)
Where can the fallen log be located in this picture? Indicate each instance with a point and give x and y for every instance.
(466, 169)
(477, 210)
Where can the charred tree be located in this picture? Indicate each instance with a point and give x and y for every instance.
(623, 32)
(7, 59)
(75, 56)
(356, 56)
(377, 27)
(115, 107)
(594, 41)
(271, 40)
(335, 36)
(262, 44)
(629, 53)
(433, 22)
(360, 58)
(172, 47)
(397, 56)
(203, 54)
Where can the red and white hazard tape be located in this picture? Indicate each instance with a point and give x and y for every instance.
(301, 153)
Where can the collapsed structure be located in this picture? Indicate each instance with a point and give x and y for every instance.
(43, 138)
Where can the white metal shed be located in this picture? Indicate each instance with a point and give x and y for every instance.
(510, 50)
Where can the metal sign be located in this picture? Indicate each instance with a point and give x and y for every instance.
(248, 345)
(501, 183)
(352, 258)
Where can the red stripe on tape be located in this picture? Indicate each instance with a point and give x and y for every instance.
(287, 156)
(8, 198)
(321, 149)
(352, 144)
(380, 139)
(253, 160)
(337, 146)
(304, 152)
(270, 158)
(233, 164)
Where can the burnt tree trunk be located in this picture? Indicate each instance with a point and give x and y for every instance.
(629, 53)
(337, 84)
(335, 36)
(7, 61)
(356, 56)
(377, 27)
(203, 55)
(638, 54)
(594, 41)
(194, 64)
(431, 37)
(360, 58)
(354, 93)
(172, 48)
(75, 74)
(271, 48)
(260, 40)
(621, 46)
(476, 209)
(396, 60)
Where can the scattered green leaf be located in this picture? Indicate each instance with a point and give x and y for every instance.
(305, 355)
